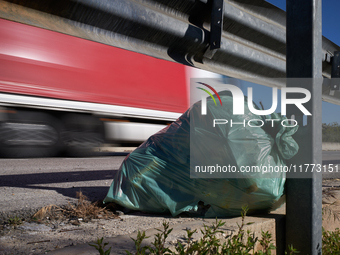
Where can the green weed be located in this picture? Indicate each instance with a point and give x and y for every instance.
(100, 247)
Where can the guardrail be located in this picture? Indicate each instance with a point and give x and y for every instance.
(253, 42)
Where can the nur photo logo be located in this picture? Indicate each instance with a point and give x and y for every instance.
(204, 100)
(238, 103)
(238, 99)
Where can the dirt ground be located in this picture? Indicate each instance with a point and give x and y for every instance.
(56, 227)
(34, 238)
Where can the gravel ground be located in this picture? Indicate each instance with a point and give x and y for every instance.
(34, 238)
(25, 188)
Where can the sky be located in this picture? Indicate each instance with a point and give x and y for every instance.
(331, 30)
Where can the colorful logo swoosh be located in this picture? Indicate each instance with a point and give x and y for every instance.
(212, 89)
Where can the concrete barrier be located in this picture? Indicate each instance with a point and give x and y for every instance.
(331, 146)
(273, 223)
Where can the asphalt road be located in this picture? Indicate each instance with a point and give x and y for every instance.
(331, 159)
(29, 184)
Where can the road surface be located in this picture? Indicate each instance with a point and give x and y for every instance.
(331, 158)
(29, 184)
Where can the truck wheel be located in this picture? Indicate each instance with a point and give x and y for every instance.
(30, 134)
(81, 134)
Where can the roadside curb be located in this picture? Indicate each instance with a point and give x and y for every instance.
(273, 223)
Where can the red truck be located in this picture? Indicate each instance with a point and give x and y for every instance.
(63, 93)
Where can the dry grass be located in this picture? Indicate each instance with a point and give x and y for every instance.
(88, 210)
(331, 204)
(84, 210)
(46, 211)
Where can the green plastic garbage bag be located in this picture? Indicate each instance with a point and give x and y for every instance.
(156, 176)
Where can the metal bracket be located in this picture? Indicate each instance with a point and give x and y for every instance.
(216, 27)
(335, 74)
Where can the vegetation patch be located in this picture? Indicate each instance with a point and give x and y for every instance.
(331, 132)
(83, 211)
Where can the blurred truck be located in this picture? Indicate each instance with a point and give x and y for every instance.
(63, 93)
